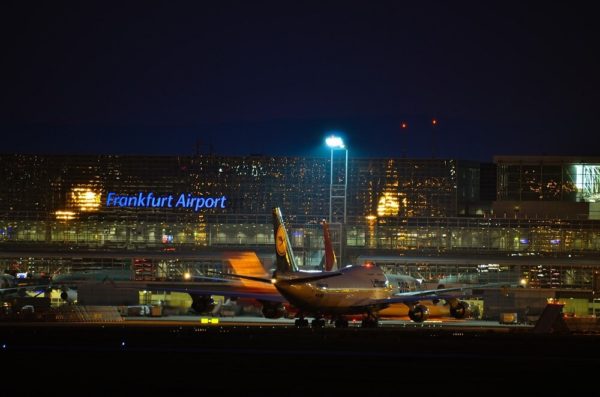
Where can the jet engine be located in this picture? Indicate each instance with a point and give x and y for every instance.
(419, 313)
(459, 310)
(69, 295)
(202, 303)
(272, 309)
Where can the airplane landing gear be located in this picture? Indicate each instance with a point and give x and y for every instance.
(341, 322)
(301, 322)
(370, 321)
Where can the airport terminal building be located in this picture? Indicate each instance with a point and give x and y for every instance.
(518, 217)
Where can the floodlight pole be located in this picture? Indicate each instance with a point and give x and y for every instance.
(338, 186)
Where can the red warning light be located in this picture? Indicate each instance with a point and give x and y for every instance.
(434, 121)
(404, 125)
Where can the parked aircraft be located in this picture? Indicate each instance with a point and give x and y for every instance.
(361, 289)
(417, 310)
(11, 287)
(68, 282)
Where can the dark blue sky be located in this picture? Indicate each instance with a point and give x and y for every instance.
(275, 77)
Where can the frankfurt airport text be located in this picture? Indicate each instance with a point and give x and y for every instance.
(148, 200)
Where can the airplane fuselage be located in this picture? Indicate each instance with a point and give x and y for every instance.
(347, 293)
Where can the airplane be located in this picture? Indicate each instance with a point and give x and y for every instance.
(363, 289)
(11, 287)
(68, 282)
(417, 311)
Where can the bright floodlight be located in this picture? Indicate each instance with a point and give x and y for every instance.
(335, 142)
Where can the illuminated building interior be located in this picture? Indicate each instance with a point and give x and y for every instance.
(395, 207)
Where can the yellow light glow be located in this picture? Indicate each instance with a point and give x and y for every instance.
(371, 217)
(187, 276)
(84, 199)
(64, 215)
(388, 204)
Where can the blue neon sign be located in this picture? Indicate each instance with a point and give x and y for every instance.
(150, 200)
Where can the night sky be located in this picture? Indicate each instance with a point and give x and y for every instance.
(274, 78)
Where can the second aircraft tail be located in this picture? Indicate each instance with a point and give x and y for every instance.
(330, 259)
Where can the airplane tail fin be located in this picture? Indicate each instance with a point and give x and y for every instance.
(283, 248)
(330, 259)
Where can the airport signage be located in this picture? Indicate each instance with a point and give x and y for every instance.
(150, 200)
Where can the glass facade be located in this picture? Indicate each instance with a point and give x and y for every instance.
(548, 179)
(396, 207)
(402, 187)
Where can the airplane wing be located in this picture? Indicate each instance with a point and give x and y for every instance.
(240, 292)
(415, 296)
(244, 277)
(410, 299)
(211, 279)
(22, 288)
(296, 280)
(428, 292)
(440, 293)
(222, 287)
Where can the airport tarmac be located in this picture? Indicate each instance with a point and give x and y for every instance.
(441, 323)
(165, 356)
